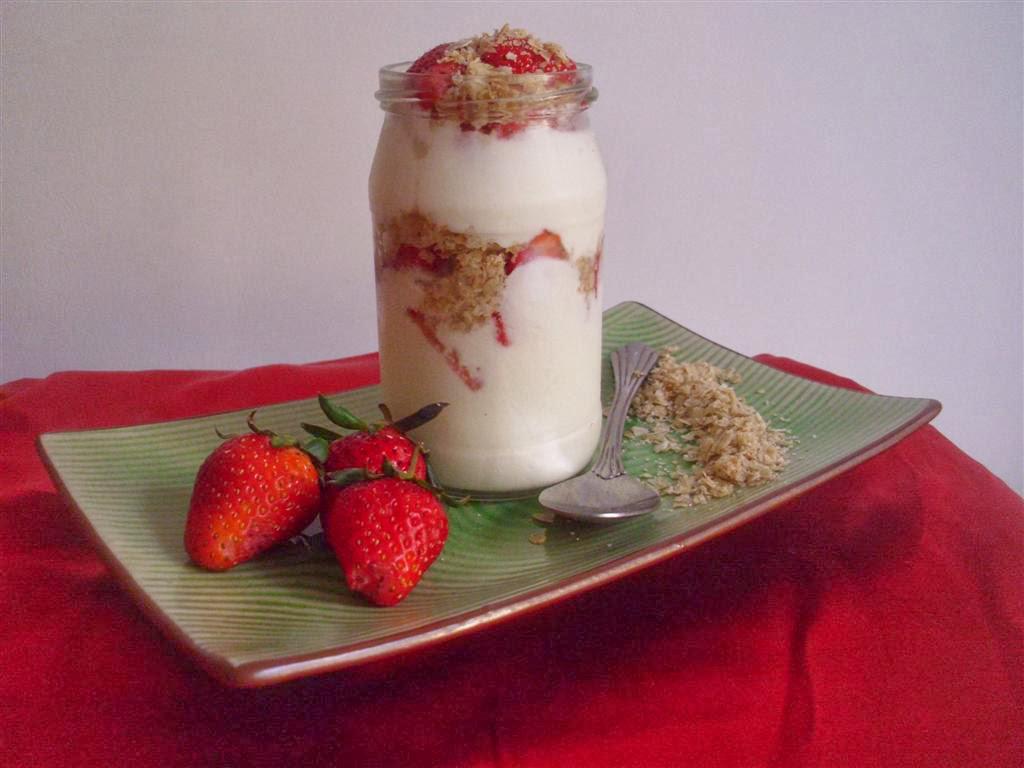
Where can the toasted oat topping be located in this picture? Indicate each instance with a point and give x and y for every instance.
(465, 274)
(471, 294)
(691, 409)
(490, 75)
(471, 52)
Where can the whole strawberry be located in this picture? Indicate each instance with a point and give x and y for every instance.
(253, 492)
(385, 533)
(369, 447)
(369, 450)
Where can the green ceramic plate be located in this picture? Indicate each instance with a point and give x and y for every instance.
(288, 614)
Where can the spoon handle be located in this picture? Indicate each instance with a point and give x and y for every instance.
(630, 364)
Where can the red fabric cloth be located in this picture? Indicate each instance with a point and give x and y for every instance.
(875, 621)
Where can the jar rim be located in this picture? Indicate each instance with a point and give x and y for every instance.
(399, 87)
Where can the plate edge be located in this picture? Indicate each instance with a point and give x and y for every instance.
(217, 666)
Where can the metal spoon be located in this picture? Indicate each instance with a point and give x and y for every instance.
(606, 492)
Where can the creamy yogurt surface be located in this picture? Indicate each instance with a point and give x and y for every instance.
(508, 189)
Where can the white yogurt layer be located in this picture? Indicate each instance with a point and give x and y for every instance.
(535, 417)
(504, 189)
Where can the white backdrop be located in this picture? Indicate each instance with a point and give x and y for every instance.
(184, 185)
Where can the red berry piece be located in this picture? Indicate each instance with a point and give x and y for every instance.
(500, 332)
(546, 245)
(370, 450)
(435, 74)
(249, 496)
(385, 534)
(451, 355)
(372, 447)
(519, 55)
(502, 130)
(427, 259)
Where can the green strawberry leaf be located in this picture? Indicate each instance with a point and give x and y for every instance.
(321, 432)
(455, 501)
(344, 477)
(317, 447)
(282, 441)
(342, 416)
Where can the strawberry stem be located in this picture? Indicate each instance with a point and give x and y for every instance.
(251, 423)
(276, 440)
(410, 474)
(344, 477)
(283, 441)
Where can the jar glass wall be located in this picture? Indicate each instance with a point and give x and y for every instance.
(488, 221)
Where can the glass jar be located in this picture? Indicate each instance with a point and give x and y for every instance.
(488, 219)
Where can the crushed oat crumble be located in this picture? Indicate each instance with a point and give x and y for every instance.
(588, 267)
(471, 50)
(692, 410)
(463, 275)
(471, 294)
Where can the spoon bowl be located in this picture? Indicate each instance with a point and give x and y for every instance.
(606, 492)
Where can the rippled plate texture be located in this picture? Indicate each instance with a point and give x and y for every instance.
(289, 614)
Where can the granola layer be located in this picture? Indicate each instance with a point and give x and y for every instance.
(462, 275)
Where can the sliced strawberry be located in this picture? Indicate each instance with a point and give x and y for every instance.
(451, 356)
(428, 259)
(500, 332)
(438, 74)
(502, 130)
(430, 59)
(546, 245)
(519, 55)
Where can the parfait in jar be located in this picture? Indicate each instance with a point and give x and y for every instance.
(488, 199)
